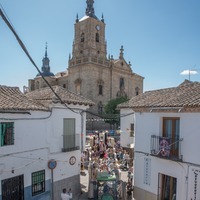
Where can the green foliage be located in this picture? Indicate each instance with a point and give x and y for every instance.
(111, 114)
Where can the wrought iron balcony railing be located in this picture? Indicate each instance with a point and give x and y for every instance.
(166, 147)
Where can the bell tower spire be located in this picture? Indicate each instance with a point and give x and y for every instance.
(90, 8)
(45, 65)
(46, 51)
(45, 61)
(89, 42)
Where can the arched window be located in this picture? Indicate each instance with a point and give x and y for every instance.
(121, 83)
(82, 37)
(137, 91)
(97, 37)
(100, 84)
(78, 89)
(78, 85)
(100, 89)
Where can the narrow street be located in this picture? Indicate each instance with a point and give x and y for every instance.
(85, 181)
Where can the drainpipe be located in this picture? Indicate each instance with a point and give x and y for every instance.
(187, 182)
(82, 113)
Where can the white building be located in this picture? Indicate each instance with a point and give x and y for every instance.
(127, 128)
(41, 142)
(166, 156)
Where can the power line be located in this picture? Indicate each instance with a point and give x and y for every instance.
(30, 58)
(9, 24)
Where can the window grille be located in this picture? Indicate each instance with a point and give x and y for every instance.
(13, 188)
(38, 182)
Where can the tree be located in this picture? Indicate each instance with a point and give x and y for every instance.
(111, 114)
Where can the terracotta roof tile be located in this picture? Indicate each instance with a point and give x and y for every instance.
(46, 96)
(12, 99)
(186, 95)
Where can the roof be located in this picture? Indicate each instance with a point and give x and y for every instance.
(46, 96)
(84, 18)
(13, 100)
(45, 74)
(185, 97)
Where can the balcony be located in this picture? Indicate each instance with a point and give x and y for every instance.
(166, 147)
(71, 142)
(93, 59)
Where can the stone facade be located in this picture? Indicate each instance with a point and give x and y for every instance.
(91, 73)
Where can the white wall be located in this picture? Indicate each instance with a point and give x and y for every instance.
(170, 168)
(39, 138)
(190, 132)
(125, 122)
(147, 124)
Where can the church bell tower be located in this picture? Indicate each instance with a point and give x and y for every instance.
(89, 38)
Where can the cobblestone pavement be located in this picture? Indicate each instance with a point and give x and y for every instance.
(84, 184)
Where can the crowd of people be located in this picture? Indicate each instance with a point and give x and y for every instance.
(104, 155)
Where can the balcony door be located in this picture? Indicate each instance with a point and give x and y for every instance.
(171, 129)
(167, 187)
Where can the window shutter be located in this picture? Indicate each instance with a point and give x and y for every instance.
(69, 133)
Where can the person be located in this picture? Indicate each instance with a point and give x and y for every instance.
(70, 193)
(105, 188)
(130, 174)
(66, 195)
(129, 190)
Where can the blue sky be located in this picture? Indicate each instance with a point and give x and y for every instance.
(161, 38)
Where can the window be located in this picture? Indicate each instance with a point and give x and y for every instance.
(131, 130)
(171, 129)
(97, 37)
(137, 91)
(82, 37)
(167, 185)
(13, 188)
(69, 135)
(78, 89)
(6, 133)
(100, 84)
(38, 182)
(78, 85)
(121, 83)
(100, 89)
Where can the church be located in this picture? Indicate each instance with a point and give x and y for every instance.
(91, 72)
